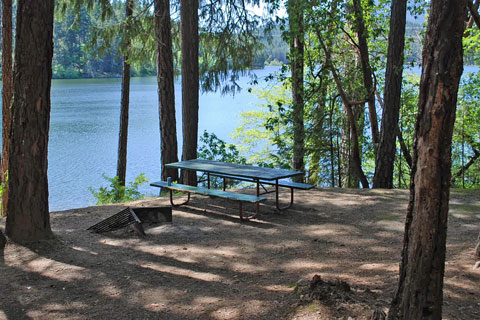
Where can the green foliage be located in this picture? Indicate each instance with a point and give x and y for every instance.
(265, 136)
(91, 37)
(116, 193)
(213, 148)
(229, 40)
(471, 45)
(407, 118)
(466, 135)
(3, 186)
(88, 39)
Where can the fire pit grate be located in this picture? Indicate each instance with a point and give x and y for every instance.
(117, 221)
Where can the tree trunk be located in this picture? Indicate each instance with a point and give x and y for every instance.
(166, 91)
(393, 89)
(297, 34)
(362, 35)
(27, 211)
(403, 146)
(190, 84)
(398, 132)
(7, 90)
(357, 162)
(420, 289)
(331, 146)
(124, 106)
(356, 159)
(3, 242)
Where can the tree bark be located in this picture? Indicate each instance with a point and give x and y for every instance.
(362, 35)
(27, 211)
(190, 84)
(384, 162)
(357, 162)
(420, 289)
(297, 34)
(398, 132)
(166, 91)
(331, 146)
(124, 106)
(7, 91)
(3, 242)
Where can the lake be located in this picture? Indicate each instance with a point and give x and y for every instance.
(85, 122)
(84, 132)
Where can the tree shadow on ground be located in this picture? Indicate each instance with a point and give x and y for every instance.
(207, 264)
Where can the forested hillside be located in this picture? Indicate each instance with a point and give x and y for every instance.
(77, 55)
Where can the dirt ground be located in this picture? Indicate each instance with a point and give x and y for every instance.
(207, 264)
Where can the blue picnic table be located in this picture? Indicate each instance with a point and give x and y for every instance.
(261, 176)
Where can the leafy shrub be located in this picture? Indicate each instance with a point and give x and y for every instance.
(213, 148)
(116, 193)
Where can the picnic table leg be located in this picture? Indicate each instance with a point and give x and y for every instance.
(257, 206)
(277, 202)
(180, 204)
(208, 180)
(257, 209)
(241, 211)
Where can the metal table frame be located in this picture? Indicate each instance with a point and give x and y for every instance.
(241, 172)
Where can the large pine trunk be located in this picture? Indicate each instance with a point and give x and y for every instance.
(190, 84)
(420, 289)
(295, 13)
(393, 89)
(27, 211)
(166, 91)
(124, 108)
(7, 88)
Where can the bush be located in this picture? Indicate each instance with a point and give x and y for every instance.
(115, 193)
(213, 148)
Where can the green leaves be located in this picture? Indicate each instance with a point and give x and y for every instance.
(213, 148)
(265, 135)
(116, 193)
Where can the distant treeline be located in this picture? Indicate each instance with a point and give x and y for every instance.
(74, 56)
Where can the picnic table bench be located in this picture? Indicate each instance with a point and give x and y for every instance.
(261, 183)
(281, 183)
(239, 197)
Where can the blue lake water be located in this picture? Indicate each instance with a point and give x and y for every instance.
(85, 122)
(84, 132)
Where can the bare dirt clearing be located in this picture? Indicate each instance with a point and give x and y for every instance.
(209, 265)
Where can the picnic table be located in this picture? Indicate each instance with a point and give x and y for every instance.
(259, 175)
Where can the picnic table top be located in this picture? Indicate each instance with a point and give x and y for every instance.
(240, 170)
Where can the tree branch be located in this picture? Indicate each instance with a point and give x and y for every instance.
(472, 160)
(473, 8)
